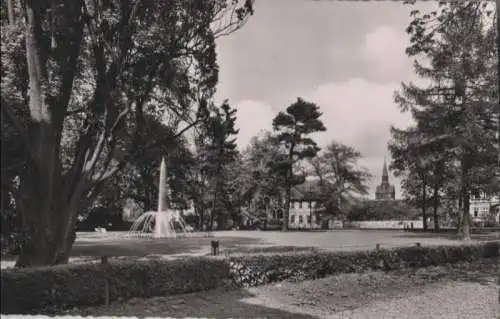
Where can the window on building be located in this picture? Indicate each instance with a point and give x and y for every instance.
(475, 212)
(292, 219)
(301, 219)
(300, 204)
(309, 205)
(309, 219)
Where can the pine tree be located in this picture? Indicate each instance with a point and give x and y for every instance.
(293, 127)
(456, 113)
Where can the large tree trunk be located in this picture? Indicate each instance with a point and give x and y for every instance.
(286, 212)
(459, 215)
(10, 12)
(47, 200)
(498, 77)
(435, 208)
(212, 213)
(465, 235)
(464, 192)
(201, 216)
(424, 206)
(48, 229)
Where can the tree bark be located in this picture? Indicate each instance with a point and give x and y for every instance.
(288, 195)
(286, 212)
(10, 12)
(464, 192)
(48, 199)
(435, 208)
(212, 211)
(466, 218)
(50, 244)
(459, 215)
(498, 78)
(424, 205)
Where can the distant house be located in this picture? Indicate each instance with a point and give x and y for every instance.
(484, 208)
(304, 201)
(306, 211)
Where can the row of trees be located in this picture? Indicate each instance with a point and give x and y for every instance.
(222, 184)
(451, 153)
(83, 85)
(275, 162)
(94, 93)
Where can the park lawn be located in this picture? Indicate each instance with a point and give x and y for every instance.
(140, 247)
(90, 246)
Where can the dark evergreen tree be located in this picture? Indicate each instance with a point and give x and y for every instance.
(293, 128)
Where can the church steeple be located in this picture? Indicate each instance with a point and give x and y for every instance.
(385, 191)
(385, 174)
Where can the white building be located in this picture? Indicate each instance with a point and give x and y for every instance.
(305, 208)
(302, 213)
(483, 208)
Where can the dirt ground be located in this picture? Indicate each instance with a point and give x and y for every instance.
(464, 290)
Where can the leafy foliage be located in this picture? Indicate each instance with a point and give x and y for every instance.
(293, 128)
(216, 152)
(340, 178)
(367, 210)
(264, 175)
(94, 72)
(453, 143)
(39, 289)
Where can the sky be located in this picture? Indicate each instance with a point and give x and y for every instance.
(347, 57)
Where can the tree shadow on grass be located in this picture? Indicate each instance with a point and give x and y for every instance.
(222, 303)
(449, 235)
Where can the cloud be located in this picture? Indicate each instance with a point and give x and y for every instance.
(383, 51)
(356, 112)
(252, 118)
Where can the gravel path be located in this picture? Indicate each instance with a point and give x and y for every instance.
(465, 290)
(450, 301)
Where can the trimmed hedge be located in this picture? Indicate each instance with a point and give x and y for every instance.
(260, 269)
(41, 289)
(65, 286)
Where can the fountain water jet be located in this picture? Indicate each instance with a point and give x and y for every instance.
(163, 223)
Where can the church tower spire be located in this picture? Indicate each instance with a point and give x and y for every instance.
(385, 174)
(385, 191)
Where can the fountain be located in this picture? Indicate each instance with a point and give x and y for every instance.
(164, 222)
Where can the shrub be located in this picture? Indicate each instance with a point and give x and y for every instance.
(25, 290)
(39, 289)
(257, 269)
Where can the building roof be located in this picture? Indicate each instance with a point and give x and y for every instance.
(308, 191)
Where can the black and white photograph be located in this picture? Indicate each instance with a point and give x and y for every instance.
(250, 159)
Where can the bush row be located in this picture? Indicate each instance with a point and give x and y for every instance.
(39, 289)
(66, 286)
(260, 269)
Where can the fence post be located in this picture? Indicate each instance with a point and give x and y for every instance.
(104, 262)
(215, 247)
